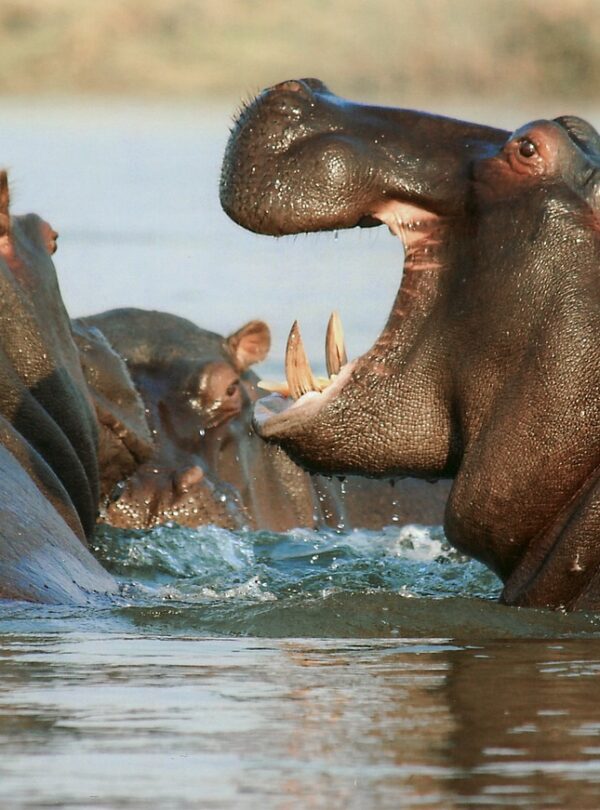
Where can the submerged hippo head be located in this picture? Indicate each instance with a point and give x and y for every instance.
(191, 383)
(488, 369)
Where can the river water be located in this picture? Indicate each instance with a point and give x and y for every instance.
(305, 669)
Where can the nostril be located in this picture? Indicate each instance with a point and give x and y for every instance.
(301, 87)
(291, 86)
(117, 491)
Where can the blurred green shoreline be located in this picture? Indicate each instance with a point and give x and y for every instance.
(182, 49)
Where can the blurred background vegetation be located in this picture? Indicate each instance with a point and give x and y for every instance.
(389, 49)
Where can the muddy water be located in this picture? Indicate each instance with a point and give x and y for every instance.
(252, 669)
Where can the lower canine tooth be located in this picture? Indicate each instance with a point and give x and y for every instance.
(298, 372)
(335, 350)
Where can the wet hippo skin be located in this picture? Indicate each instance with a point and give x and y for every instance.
(124, 438)
(209, 466)
(488, 370)
(48, 466)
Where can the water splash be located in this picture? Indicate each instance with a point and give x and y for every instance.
(209, 563)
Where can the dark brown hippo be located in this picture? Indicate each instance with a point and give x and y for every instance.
(208, 465)
(488, 369)
(48, 465)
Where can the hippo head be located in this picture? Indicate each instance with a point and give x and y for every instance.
(192, 390)
(488, 368)
(189, 385)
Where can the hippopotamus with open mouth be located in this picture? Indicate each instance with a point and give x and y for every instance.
(488, 369)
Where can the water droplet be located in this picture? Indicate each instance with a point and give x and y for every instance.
(395, 515)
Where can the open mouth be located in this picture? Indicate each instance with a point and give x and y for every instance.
(302, 394)
(301, 160)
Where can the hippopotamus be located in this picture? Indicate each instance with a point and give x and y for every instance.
(488, 369)
(48, 436)
(208, 465)
(188, 380)
(125, 441)
(145, 478)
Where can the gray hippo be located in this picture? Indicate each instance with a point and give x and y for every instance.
(48, 432)
(488, 369)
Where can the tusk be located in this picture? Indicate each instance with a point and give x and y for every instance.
(335, 351)
(297, 368)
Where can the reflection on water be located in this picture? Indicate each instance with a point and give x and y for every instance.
(537, 739)
(421, 696)
(128, 721)
(387, 675)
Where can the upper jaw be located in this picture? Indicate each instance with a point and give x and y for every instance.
(301, 159)
(367, 165)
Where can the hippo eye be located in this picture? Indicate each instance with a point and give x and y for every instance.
(527, 148)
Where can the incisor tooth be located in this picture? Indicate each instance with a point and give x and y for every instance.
(298, 373)
(274, 387)
(335, 350)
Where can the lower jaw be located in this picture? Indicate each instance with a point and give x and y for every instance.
(276, 415)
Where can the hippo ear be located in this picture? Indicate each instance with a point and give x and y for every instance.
(584, 134)
(4, 204)
(249, 345)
